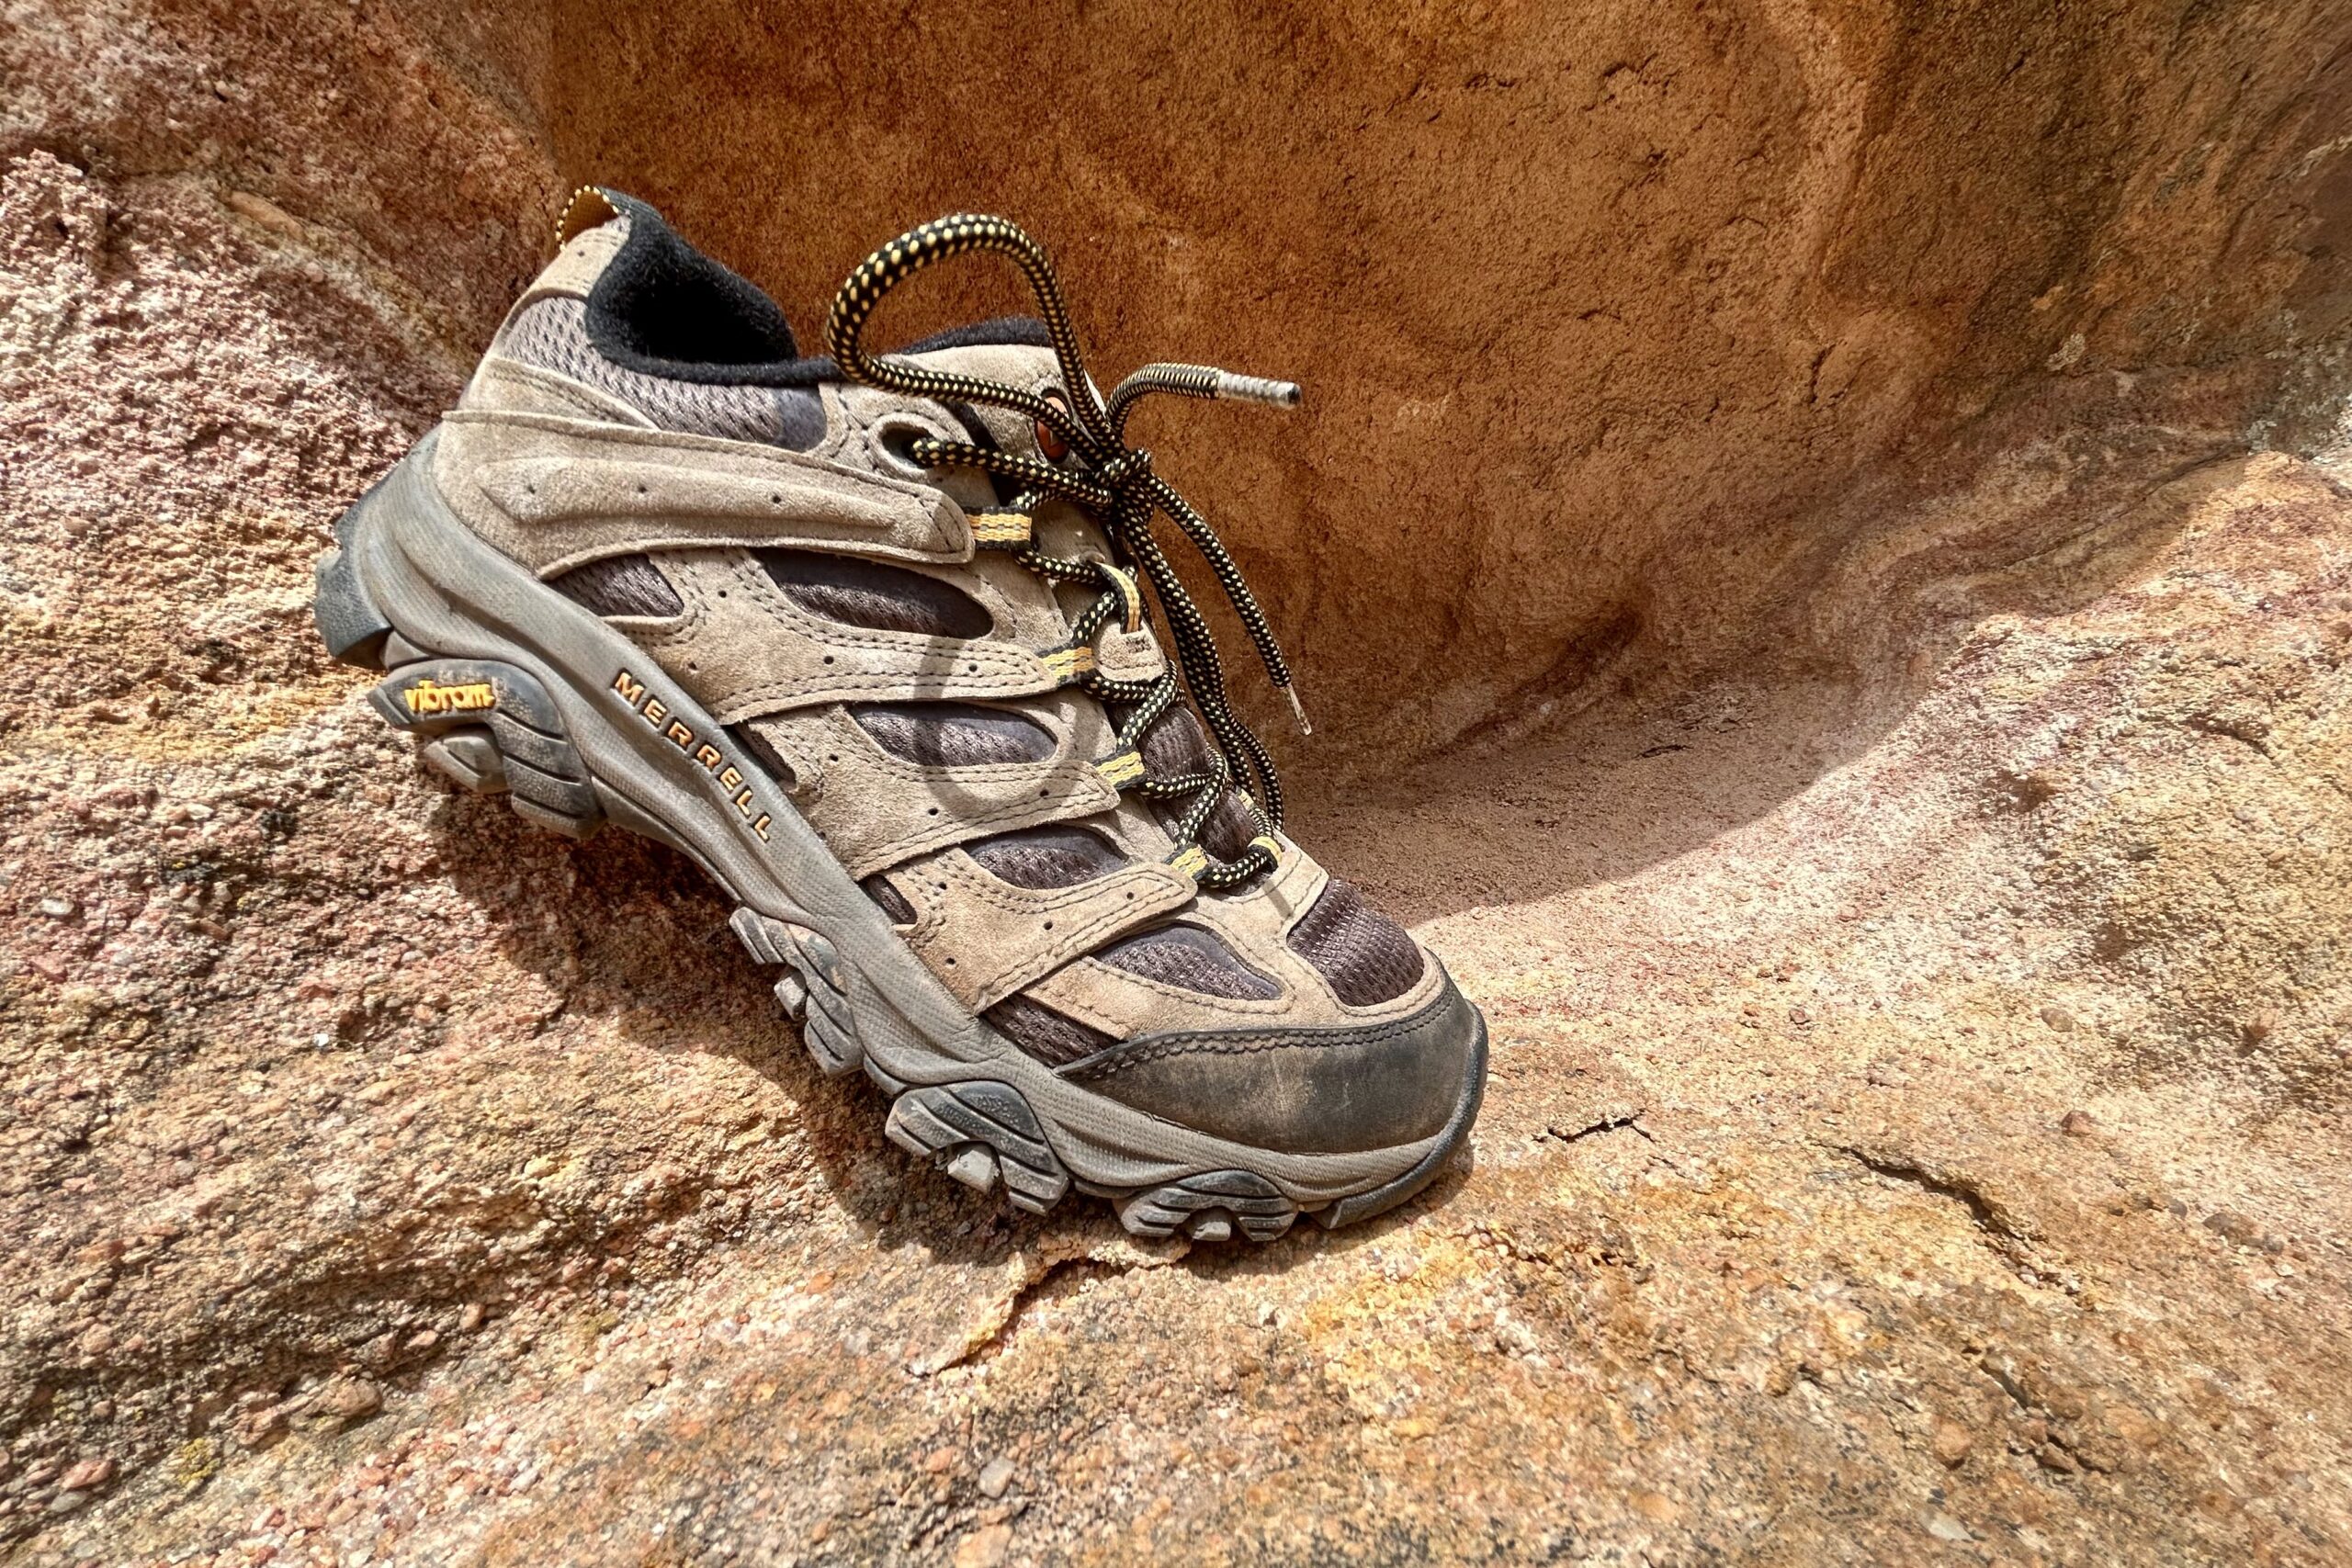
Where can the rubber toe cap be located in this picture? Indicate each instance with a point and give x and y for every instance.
(1340, 1089)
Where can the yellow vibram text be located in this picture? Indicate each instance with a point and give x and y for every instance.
(425, 699)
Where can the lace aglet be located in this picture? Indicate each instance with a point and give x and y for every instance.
(1257, 390)
(1297, 711)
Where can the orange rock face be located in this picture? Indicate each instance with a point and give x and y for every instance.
(1603, 313)
(1817, 545)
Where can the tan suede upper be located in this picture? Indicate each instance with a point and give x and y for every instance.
(556, 474)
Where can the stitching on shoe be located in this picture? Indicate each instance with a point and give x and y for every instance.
(1284, 999)
(1081, 938)
(1119, 1058)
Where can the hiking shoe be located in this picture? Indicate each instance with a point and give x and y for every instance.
(887, 646)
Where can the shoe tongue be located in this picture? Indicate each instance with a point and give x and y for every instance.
(1031, 367)
(1011, 349)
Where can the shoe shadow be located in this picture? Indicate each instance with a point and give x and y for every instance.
(634, 940)
(1644, 774)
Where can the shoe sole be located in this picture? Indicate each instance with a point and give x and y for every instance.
(510, 688)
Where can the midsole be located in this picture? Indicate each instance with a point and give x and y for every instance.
(446, 590)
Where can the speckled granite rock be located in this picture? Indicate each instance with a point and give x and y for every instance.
(1916, 953)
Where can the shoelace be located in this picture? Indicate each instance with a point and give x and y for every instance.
(1114, 483)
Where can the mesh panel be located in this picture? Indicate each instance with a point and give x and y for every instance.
(893, 902)
(1043, 1032)
(619, 585)
(880, 598)
(1229, 828)
(552, 334)
(953, 735)
(1038, 858)
(1365, 955)
(1176, 746)
(1189, 957)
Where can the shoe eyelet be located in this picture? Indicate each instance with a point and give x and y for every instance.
(894, 438)
(1049, 441)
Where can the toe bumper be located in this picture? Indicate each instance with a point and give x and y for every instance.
(1320, 1090)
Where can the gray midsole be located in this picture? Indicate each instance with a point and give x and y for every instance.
(445, 589)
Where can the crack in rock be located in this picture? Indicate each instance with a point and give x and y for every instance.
(1026, 1274)
(2010, 1232)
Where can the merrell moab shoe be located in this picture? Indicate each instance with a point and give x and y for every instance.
(887, 646)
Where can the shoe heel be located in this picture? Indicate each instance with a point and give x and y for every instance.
(493, 728)
(349, 623)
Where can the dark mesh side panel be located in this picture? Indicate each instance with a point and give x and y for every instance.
(1038, 858)
(619, 585)
(1192, 958)
(553, 334)
(1229, 828)
(1176, 746)
(1365, 955)
(1043, 1032)
(894, 904)
(880, 598)
(953, 735)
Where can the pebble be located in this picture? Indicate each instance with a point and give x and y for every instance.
(1951, 1443)
(984, 1548)
(995, 1477)
(86, 1474)
(2059, 1019)
(56, 908)
(2077, 1124)
(348, 1399)
(1944, 1526)
(2231, 1225)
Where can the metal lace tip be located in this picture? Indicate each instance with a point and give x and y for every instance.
(1297, 711)
(1257, 390)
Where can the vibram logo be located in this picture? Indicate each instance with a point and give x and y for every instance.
(698, 749)
(424, 699)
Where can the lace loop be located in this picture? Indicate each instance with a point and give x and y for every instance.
(1114, 483)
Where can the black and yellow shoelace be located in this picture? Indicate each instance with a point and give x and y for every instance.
(1114, 483)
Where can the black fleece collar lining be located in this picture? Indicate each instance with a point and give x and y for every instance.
(664, 309)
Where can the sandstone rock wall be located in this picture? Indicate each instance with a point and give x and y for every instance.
(1601, 309)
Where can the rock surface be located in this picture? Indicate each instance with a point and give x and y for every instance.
(1914, 931)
